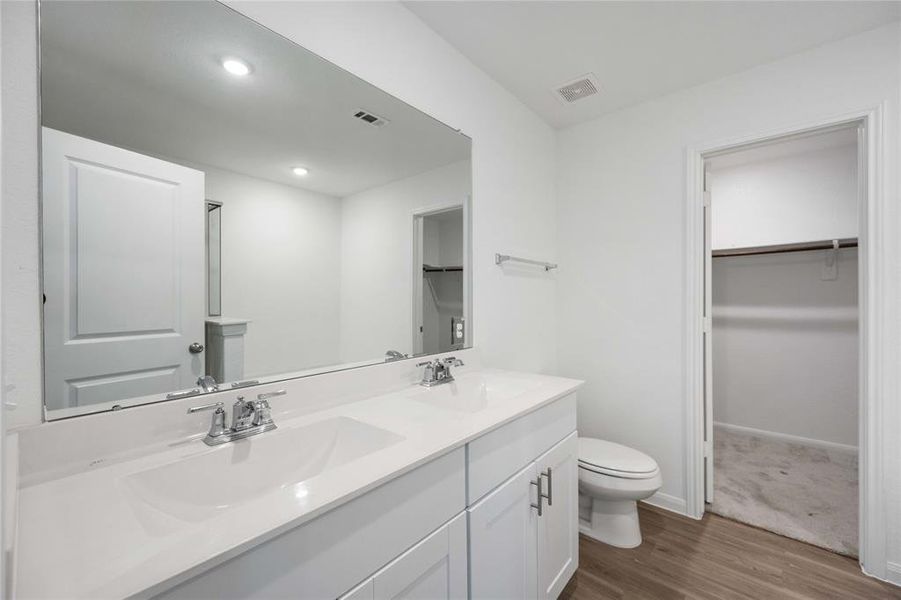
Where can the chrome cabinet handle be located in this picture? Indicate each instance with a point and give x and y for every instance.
(550, 486)
(195, 348)
(541, 495)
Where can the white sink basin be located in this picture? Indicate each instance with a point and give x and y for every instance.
(196, 488)
(473, 393)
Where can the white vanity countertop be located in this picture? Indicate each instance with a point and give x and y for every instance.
(92, 535)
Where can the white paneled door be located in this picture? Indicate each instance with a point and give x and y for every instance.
(502, 542)
(123, 273)
(558, 533)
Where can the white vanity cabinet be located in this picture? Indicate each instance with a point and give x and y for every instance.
(334, 553)
(514, 551)
(433, 569)
(462, 525)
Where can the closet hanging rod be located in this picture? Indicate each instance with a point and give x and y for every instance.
(784, 248)
(500, 259)
(432, 269)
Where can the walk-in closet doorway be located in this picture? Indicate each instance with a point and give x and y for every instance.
(872, 258)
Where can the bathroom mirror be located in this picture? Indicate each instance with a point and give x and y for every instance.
(218, 201)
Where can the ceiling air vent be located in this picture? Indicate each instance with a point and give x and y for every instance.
(368, 117)
(581, 87)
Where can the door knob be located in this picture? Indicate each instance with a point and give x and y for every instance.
(195, 348)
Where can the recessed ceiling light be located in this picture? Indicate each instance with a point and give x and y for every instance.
(300, 171)
(236, 66)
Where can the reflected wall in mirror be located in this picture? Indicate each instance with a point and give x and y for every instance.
(219, 201)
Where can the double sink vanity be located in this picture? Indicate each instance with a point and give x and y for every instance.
(370, 486)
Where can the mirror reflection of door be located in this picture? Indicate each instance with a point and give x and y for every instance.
(123, 272)
(442, 326)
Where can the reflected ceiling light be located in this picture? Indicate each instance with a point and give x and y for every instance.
(300, 171)
(236, 66)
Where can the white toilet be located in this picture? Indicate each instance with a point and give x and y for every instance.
(612, 479)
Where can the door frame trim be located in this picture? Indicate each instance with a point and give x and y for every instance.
(878, 312)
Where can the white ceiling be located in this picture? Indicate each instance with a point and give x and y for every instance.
(637, 50)
(147, 76)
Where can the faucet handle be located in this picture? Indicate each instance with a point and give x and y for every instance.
(267, 395)
(426, 363)
(262, 413)
(452, 361)
(208, 383)
(217, 424)
(217, 405)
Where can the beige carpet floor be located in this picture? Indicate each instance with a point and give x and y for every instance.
(806, 493)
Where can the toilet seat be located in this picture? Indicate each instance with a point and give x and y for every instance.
(615, 460)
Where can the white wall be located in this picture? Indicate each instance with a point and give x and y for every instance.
(514, 321)
(6, 482)
(281, 252)
(785, 342)
(377, 259)
(442, 239)
(20, 258)
(804, 197)
(785, 345)
(621, 216)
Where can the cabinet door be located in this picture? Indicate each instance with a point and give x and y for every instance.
(502, 537)
(558, 527)
(433, 569)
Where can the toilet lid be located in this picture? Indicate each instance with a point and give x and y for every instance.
(615, 459)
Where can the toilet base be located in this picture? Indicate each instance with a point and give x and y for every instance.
(613, 522)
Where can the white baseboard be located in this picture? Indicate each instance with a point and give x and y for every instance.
(668, 502)
(785, 437)
(893, 573)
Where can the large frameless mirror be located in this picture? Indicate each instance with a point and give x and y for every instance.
(222, 208)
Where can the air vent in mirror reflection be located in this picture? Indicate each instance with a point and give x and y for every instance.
(371, 119)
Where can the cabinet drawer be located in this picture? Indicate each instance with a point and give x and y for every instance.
(332, 553)
(495, 455)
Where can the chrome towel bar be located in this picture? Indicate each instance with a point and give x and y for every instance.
(500, 259)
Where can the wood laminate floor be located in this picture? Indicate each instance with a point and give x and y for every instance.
(716, 559)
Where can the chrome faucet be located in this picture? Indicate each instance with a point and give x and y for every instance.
(248, 418)
(438, 371)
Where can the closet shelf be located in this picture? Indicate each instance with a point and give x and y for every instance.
(784, 248)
